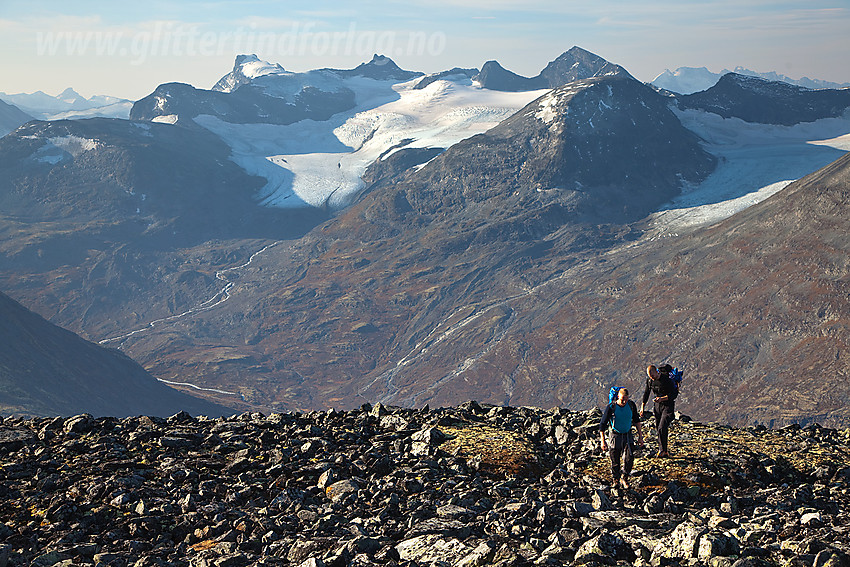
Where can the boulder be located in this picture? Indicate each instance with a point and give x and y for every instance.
(339, 489)
(605, 548)
(433, 548)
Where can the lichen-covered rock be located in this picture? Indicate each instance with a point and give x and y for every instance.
(681, 543)
(339, 489)
(605, 548)
(432, 548)
(715, 544)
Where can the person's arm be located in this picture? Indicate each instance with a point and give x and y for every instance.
(645, 397)
(636, 423)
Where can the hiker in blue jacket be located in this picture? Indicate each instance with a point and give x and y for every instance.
(621, 415)
(659, 383)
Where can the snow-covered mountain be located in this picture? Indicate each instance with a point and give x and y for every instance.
(688, 80)
(314, 135)
(257, 92)
(321, 162)
(246, 69)
(68, 104)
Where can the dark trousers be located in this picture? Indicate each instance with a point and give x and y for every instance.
(664, 413)
(621, 447)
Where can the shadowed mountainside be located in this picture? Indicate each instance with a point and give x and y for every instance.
(46, 370)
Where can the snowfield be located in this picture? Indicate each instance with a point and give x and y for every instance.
(755, 161)
(320, 163)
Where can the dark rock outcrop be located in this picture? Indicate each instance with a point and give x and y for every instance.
(495, 77)
(355, 489)
(379, 68)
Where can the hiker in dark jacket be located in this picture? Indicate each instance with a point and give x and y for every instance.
(621, 415)
(658, 382)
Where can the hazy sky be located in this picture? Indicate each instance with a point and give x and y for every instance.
(126, 49)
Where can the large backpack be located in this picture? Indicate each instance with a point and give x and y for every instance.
(676, 376)
(612, 394)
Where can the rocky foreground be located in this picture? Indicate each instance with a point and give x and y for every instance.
(465, 486)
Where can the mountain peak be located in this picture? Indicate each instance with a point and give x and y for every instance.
(572, 65)
(70, 96)
(381, 60)
(246, 68)
(577, 63)
(381, 68)
(495, 77)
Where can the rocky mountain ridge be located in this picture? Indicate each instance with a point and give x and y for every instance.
(256, 92)
(572, 65)
(468, 485)
(754, 99)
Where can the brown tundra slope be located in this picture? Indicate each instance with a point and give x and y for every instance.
(754, 308)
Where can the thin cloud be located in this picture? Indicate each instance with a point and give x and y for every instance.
(265, 23)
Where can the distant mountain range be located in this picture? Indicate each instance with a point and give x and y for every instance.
(68, 104)
(310, 240)
(688, 80)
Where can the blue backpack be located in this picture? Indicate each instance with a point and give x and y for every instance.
(612, 394)
(676, 376)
